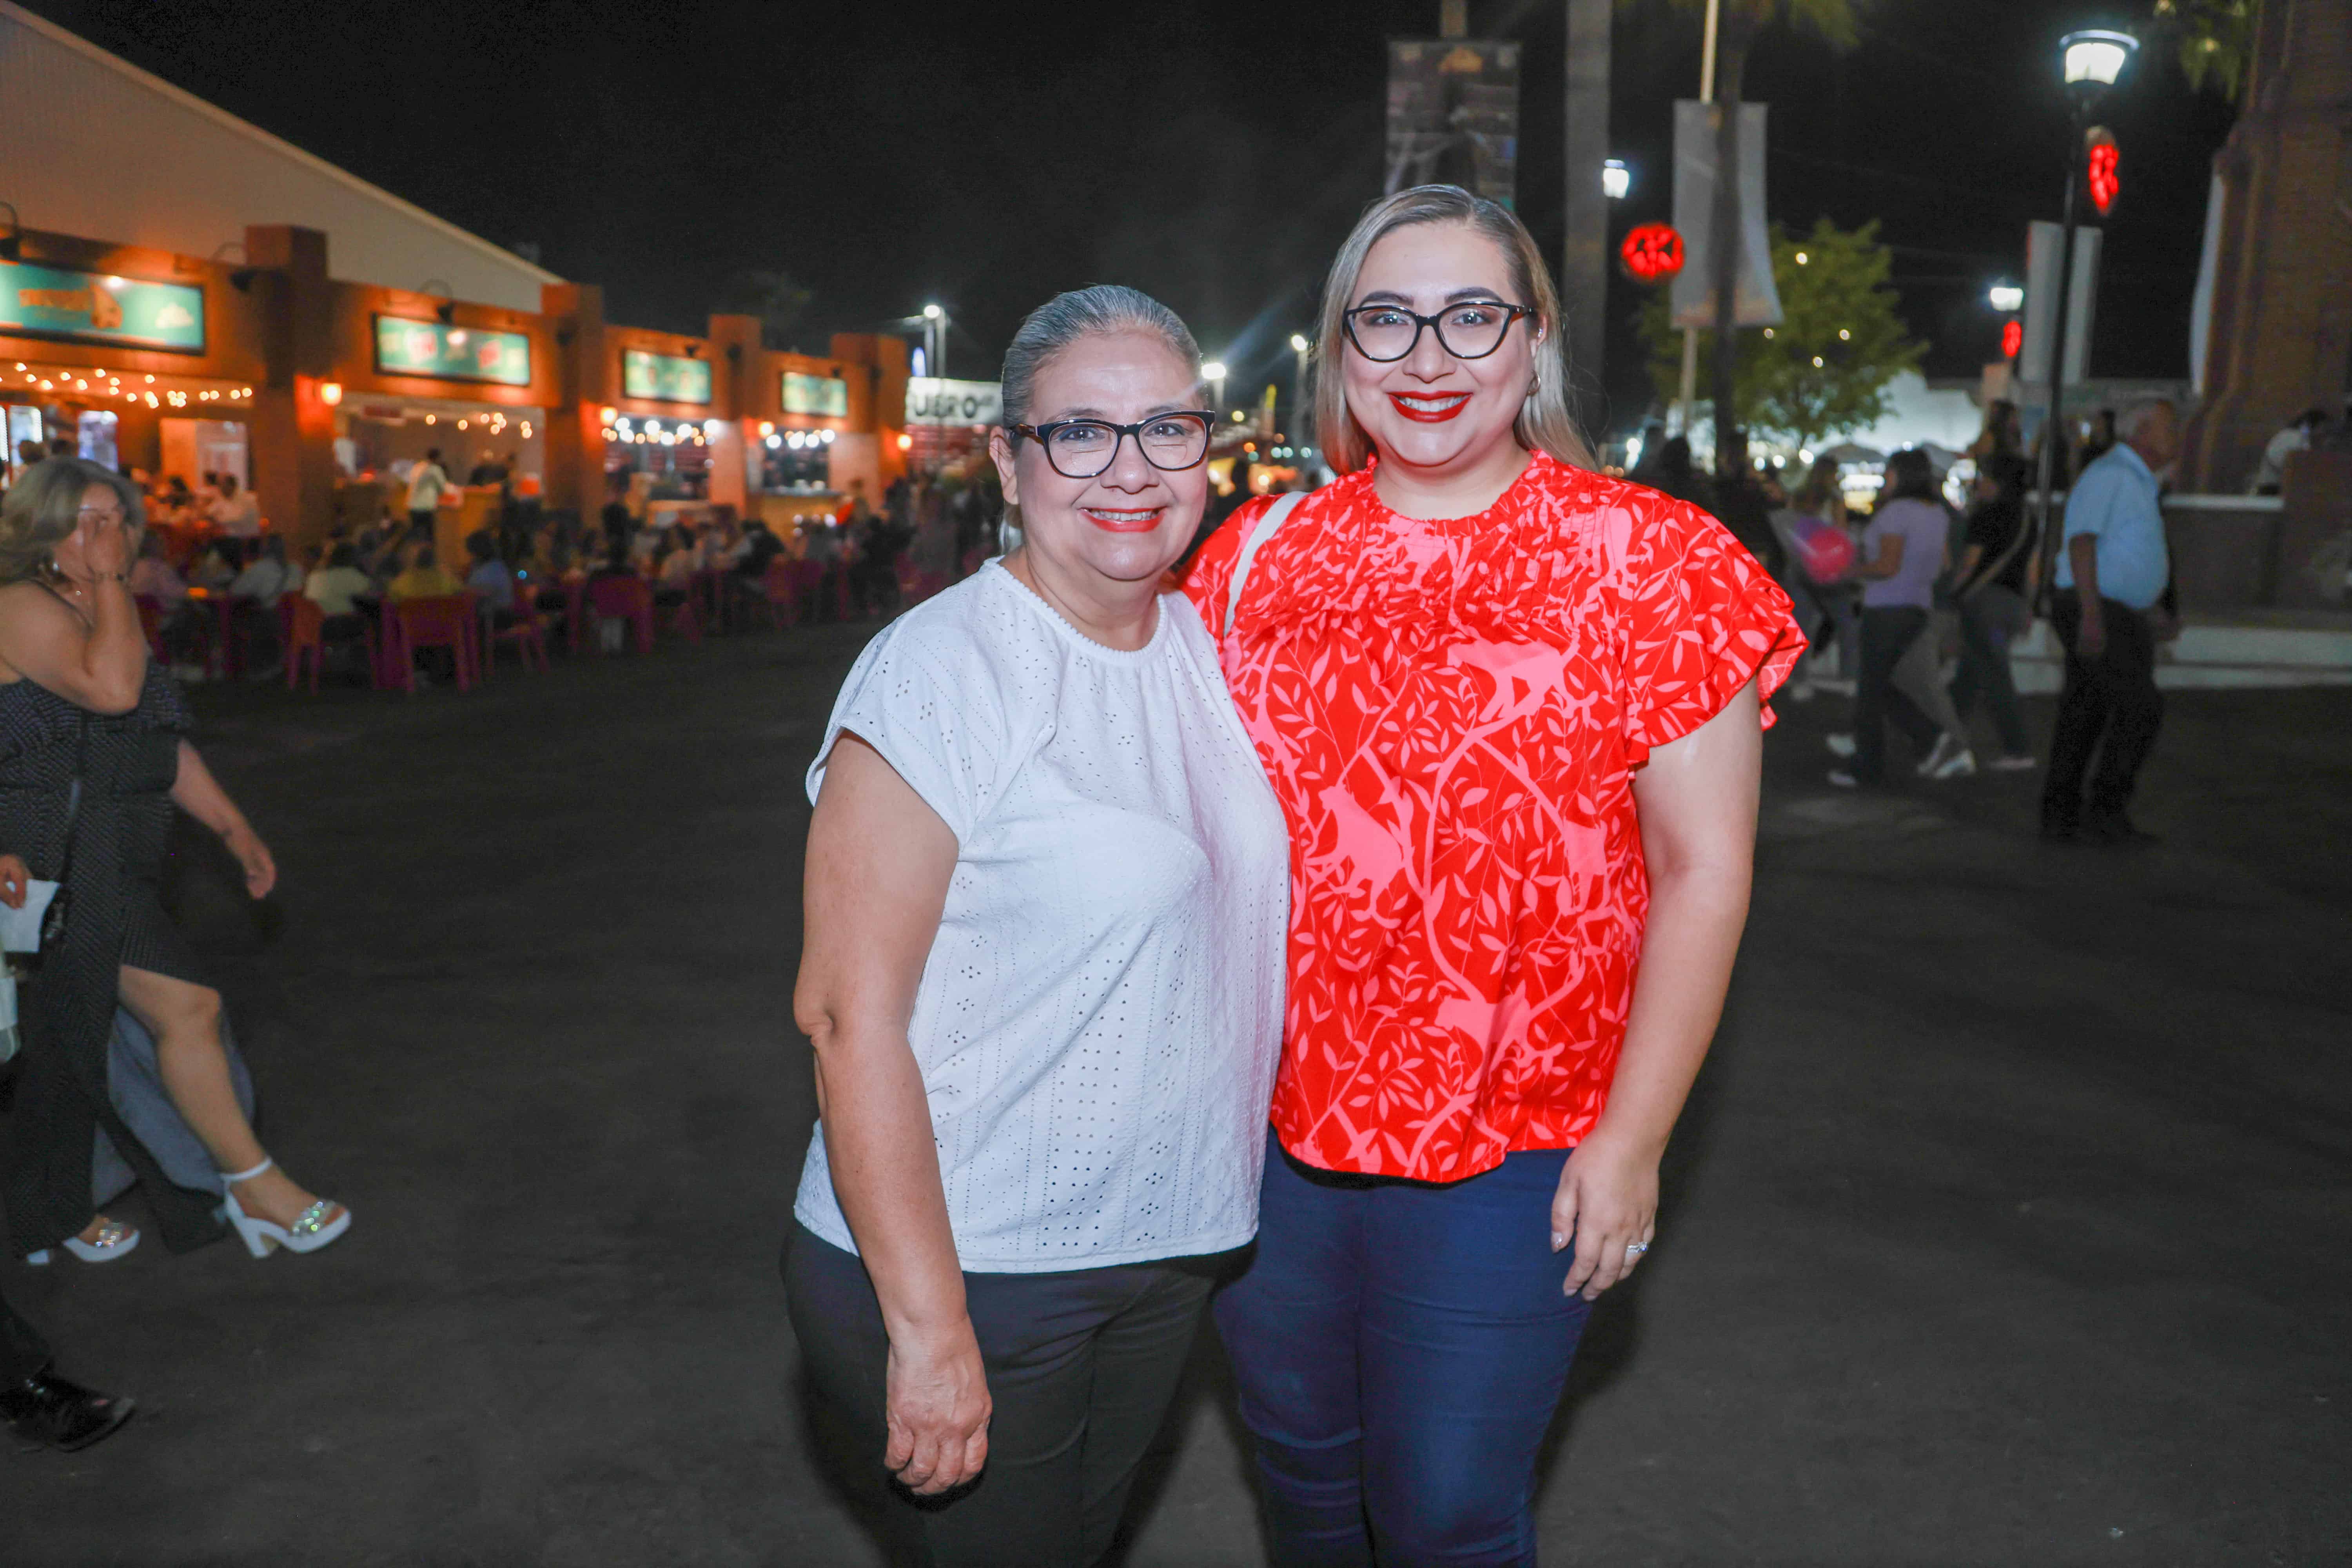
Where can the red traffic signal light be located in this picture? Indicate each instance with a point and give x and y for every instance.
(1651, 253)
(2013, 339)
(2100, 165)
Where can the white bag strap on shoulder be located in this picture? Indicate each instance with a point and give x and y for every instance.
(1275, 516)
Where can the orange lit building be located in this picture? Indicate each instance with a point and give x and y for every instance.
(317, 378)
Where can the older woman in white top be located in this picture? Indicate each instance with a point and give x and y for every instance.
(1047, 889)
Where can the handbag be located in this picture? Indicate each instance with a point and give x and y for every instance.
(54, 898)
(1824, 551)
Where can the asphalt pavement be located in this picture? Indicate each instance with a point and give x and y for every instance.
(2011, 1223)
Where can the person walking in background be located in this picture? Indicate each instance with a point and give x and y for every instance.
(1903, 555)
(1043, 978)
(1992, 589)
(427, 483)
(94, 756)
(2003, 435)
(1514, 712)
(2110, 610)
(1670, 472)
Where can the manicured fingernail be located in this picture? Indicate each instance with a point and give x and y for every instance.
(1557, 1241)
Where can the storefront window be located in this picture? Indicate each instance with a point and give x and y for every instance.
(95, 441)
(798, 462)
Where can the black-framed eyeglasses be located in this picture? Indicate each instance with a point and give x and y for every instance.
(1084, 448)
(1471, 329)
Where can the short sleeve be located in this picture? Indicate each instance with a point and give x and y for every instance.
(1702, 619)
(930, 708)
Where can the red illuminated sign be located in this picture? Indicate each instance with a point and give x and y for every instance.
(2013, 339)
(1651, 253)
(2104, 184)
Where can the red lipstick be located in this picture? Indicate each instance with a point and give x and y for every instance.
(1140, 520)
(1453, 403)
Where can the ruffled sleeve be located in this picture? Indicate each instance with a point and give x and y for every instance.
(1702, 618)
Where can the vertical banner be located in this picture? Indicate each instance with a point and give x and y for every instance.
(1756, 301)
(2200, 304)
(1454, 115)
(2044, 244)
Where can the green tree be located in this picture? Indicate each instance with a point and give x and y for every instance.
(1738, 24)
(1826, 367)
(2215, 37)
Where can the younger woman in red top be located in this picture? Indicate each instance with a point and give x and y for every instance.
(1513, 710)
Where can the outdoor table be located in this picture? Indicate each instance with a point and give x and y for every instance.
(220, 658)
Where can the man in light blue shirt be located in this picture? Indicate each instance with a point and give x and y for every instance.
(2111, 575)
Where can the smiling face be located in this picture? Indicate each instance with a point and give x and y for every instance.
(1129, 523)
(1430, 410)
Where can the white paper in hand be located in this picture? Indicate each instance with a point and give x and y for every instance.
(20, 930)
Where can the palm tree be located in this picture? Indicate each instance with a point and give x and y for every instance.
(2216, 39)
(1736, 29)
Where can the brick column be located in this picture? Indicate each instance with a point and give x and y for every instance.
(734, 362)
(2282, 326)
(575, 438)
(291, 430)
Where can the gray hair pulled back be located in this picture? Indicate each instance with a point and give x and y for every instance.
(1078, 313)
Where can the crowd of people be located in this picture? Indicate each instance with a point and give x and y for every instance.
(118, 1042)
(1913, 603)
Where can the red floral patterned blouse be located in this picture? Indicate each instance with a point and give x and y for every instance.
(1452, 712)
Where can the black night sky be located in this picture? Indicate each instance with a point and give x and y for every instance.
(1210, 152)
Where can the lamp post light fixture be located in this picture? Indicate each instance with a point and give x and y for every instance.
(1214, 372)
(2006, 297)
(1616, 180)
(1300, 419)
(2090, 61)
(935, 339)
(2095, 56)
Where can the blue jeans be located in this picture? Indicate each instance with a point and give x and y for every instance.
(1400, 1348)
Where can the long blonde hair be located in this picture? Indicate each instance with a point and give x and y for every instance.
(1544, 423)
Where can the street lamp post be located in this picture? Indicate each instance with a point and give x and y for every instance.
(1301, 417)
(935, 334)
(2090, 61)
(1214, 372)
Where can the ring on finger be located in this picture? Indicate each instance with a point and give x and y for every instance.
(1635, 1249)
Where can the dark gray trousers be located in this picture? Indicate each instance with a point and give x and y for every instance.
(1081, 1368)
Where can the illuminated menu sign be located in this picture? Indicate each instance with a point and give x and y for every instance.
(98, 308)
(666, 378)
(821, 394)
(451, 353)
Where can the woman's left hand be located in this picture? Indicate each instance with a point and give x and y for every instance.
(261, 869)
(1607, 1202)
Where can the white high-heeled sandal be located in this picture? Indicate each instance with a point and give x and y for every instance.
(311, 1228)
(115, 1239)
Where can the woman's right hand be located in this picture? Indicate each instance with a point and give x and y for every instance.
(936, 1396)
(105, 547)
(13, 875)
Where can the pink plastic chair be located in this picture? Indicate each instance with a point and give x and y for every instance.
(629, 599)
(446, 622)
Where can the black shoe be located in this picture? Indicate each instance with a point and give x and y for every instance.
(2116, 832)
(49, 1410)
